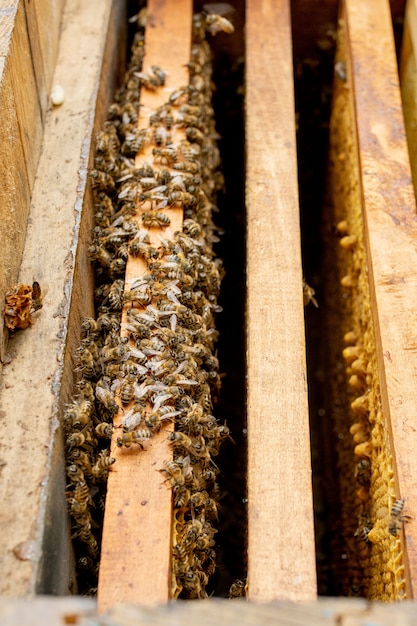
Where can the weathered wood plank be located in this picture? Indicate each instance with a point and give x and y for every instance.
(36, 380)
(329, 611)
(24, 104)
(136, 547)
(281, 552)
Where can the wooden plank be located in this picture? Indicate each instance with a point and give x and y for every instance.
(136, 545)
(35, 551)
(408, 80)
(390, 231)
(24, 104)
(27, 104)
(330, 611)
(45, 19)
(281, 552)
(14, 191)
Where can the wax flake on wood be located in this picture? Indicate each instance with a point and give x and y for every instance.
(21, 301)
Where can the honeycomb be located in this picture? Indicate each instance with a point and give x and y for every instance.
(366, 538)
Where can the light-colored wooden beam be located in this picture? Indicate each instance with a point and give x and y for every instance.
(136, 546)
(281, 551)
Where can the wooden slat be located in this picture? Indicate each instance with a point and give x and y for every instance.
(35, 550)
(390, 225)
(136, 546)
(281, 552)
(408, 79)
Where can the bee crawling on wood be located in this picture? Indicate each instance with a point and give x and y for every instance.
(135, 436)
(151, 219)
(396, 518)
(152, 78)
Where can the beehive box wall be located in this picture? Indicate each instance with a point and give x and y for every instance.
(39, 371)
(29, 35)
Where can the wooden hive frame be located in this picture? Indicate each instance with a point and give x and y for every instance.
(26, 551)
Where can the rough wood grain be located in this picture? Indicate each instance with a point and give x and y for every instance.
(35, 550)
(281, 553)
(136, 546)
(390, 222)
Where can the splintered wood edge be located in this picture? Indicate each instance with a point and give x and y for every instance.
(390, 224)
(281, 549)
(136, 545)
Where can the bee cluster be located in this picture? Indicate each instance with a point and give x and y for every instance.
(150, 352)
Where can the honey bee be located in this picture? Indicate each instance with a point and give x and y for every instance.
(103, 464)
(180, 472)
(181, 496)
(152, 78)
(81, 459)
(127, 389)
(134, 141)
(238, 589)
(132, 418)
(193, 167)
(195, 135)
(152, 219)
(396, 517)
(192, 229)
(181, 440)
(75, 473)
(89, 326)
(82, 413)
(80, 499)
(192, 585)
(155, 419)
(36, 297)
(140, 246)
(102, 181)
(86, 363)
(165, 155)
(179, 96)
(106, 397)
(135, 436)
(363, 472)
(104, 430)
(162, 136)
(101, 255)
(181, 197)
(308, 295)
(85, 535)
(115, 296)
(80, 439)
(216, 23)
(117, 267)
